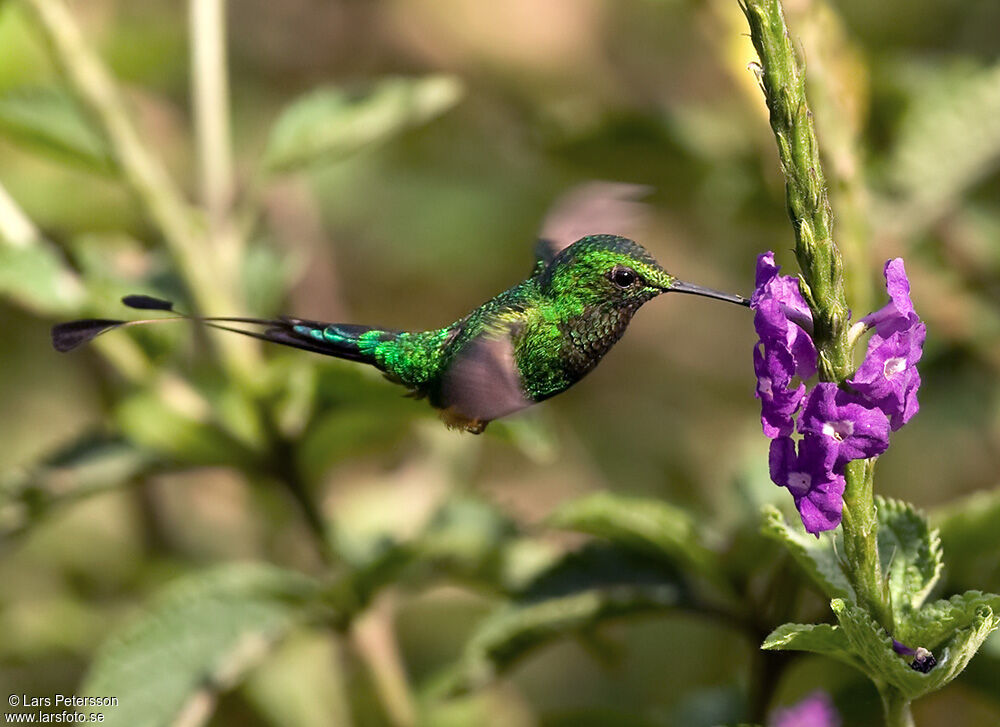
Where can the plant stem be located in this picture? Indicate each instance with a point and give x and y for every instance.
(177, 221)
(16, 229)
(822, 280)
(374, 637)
(210, 99)
(805, 186)
(860, 526)
(896, 708)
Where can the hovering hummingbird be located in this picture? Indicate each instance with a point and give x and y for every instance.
(527, 344)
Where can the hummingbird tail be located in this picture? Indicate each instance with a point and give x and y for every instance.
(338, 340)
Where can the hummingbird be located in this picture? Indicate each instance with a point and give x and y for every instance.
(523, 346)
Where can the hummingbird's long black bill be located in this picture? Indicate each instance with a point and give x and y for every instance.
(680, 286)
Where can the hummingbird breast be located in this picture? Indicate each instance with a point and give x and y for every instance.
(592, 334)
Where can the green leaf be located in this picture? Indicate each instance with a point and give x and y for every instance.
(816, 556)
(181, 428)
(302, 683)
(971, 538)
(36, 277)
(330, 124)
(198, 637)
(948, 139)
(466, 537)
(816, 638)
(937, 621)
(874, 648)
(90, 465)
(578, 593)
(49, 121)
(646, 526)
(910, 553)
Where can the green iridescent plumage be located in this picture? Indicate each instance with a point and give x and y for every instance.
(523, 346)
(528, 343)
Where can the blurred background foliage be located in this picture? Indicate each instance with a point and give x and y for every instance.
(218, 533)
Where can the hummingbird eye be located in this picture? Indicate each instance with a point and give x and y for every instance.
(623, 277)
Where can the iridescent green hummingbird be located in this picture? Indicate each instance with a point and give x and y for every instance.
(527, 344)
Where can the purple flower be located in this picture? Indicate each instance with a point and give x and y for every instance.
(809, 476)
(923, 660)
(854, 430)
(778, 402)
(888, 376)
(816, 710)
(898, 314)
(781, 316)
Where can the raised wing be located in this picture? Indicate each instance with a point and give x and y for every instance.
(594, 208)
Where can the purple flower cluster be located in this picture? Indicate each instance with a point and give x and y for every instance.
(816, 710)
(837, 425)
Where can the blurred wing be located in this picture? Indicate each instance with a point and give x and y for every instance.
(595, 208)
(483, 382)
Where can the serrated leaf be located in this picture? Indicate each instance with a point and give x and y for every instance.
(49, 121)
(578, 593)
(199, 636)
(643, 525)
(36, 277)
(937, 621)
(815, 638)
(817, 557)
(330, 124)
(910, 553)
(874, 648)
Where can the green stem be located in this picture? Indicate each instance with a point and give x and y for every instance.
(179, 223)
(805, 186)
(896, 708)
(860, 528)
(822, 280)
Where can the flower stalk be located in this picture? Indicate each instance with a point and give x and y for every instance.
(822, 284)
(783, 82)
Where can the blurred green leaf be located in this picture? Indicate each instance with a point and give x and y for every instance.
(199, 636)
(167, 423)
(910, 552)
(873, 647)
(92, 464)
(267, 276)
(301, 684)
(579, 592)
(36, 277)
(49, 121)
(649, 526)
(816, 556)
(115, 265)
(329, 124)
(816, 638)
(971, 539)
(948, 139)
(351, 431)
(983, 672)
(466, 536)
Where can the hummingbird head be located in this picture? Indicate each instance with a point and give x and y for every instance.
(616, 271)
